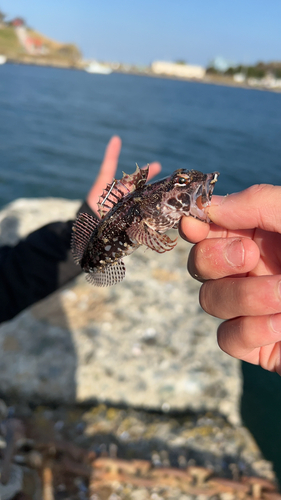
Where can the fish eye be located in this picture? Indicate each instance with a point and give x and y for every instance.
(182, 181)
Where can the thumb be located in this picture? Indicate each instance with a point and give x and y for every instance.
(257, 206)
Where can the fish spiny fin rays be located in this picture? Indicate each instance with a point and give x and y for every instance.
(82, 230)
(115, 191)
(108, 276)
(136, 180)
(160, 224)
(144, 235)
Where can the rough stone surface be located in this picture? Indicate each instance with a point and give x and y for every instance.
(23, 216)
(144, 342)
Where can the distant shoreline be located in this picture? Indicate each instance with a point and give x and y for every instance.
(209, 79)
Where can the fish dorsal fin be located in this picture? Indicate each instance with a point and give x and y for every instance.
(115, 191)
(82, 230)
(136, 180)
(107, 276)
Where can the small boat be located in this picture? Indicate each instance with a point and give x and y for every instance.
(96, 67)
(3, 59)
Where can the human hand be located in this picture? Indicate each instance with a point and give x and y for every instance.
(108, 169)
(238, 259)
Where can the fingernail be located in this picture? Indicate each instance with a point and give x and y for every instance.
(275, 322)
(235, 253)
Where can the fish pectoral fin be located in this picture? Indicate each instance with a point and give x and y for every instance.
(144, 235)
(160, 224)
(107, 276)
(81, 233)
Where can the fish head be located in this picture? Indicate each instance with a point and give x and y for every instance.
(191, 192)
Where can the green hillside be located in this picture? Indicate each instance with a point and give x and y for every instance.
(48, 52)
(9, 44)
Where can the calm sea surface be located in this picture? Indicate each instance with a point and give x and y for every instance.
(55, 124)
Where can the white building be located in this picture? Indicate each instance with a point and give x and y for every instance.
(239, 77)
(178, 70)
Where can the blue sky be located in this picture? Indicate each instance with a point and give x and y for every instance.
(140, 31)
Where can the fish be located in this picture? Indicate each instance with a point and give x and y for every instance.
(133, 213)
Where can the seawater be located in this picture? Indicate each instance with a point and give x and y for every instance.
(55, 124)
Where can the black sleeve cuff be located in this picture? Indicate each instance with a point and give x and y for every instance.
(85, 208)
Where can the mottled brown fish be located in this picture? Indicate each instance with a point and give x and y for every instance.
(134, 213)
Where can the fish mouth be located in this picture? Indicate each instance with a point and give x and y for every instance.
(201, 198)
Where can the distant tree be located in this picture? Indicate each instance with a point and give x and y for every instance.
(70, 51)
(235, 69)
(259, 70)
(181, 61)
(261, 66)
(230, 71)
(255, 72)
(2, 17)
(211, 70)
(277, 72)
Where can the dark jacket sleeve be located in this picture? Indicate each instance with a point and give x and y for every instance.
(36, 266)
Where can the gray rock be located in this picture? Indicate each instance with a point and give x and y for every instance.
(23, 216)
(144, 342)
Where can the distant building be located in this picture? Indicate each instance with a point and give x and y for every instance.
(18, 21)
(268, 82)
(33, 45)
(178, 70)
(239, 77)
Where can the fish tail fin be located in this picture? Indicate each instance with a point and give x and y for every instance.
(81, 233)
(108, 276)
